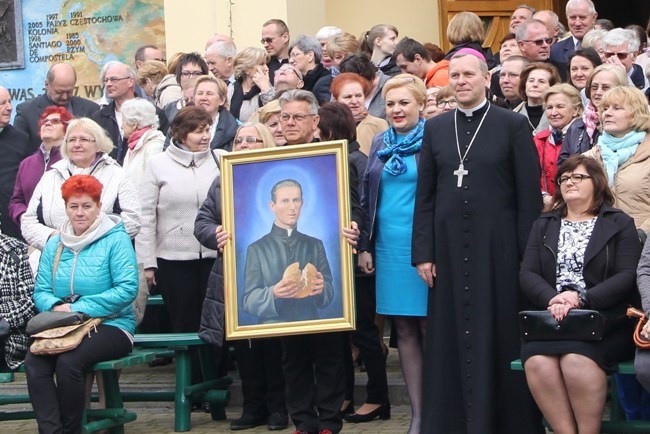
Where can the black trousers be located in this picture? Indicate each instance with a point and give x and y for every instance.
(319, 357)
(59, 405)
(367, 338)
(182, 285)
(260, 368)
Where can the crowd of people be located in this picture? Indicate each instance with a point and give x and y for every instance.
(481, 184)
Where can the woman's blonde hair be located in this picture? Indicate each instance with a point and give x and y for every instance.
(153, 70)
(343, 43)
(248, 58)
(409, 81)
(172, 62)
(102, 140)
(632, 99)
(269, 109)
(569, 91)
(465, 27)
(618, 72)
(222, 87)
(265, 134)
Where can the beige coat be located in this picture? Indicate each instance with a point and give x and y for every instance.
(367, 129)
(632, 183)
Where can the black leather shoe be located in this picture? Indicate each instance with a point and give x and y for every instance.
(278, 420)
(383, 412)
(247, 421)
(349, 409)
(201, 407)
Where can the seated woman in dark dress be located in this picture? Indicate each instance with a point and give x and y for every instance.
(586, 244)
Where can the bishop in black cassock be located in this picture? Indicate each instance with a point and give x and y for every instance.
(477, 197)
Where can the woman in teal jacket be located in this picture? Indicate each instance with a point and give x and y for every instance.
(88, 267)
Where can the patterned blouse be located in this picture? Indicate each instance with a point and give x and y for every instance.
(574, 237)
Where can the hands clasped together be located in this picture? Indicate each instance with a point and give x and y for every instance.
(561, 304)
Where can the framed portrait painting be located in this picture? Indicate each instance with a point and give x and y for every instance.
(288, 268)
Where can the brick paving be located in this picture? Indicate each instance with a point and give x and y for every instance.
(158, 417)
(161, 420)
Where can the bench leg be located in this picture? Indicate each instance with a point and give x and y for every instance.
(112, 395)
(182, 403)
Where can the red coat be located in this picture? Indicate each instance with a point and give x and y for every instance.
(548, 154)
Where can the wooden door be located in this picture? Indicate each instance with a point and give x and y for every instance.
(495, 16)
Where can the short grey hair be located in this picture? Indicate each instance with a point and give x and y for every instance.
(106, 67)
(300, 95)
(130, 72)
(576, 3)
(328, 32)
(522, 30)
(592, 37)
(102, 140)
(306, 44)
(291, 67)
(222, 49)
(620, 36)
(139, 112)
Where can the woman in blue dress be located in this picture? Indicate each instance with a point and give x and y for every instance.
(388, 200)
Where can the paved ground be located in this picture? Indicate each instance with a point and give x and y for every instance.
(159, 417)
(161, 420)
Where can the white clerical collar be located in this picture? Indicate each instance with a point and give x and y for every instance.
(470, 112)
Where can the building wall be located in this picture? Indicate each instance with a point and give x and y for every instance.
(417, 19)
(189, 23)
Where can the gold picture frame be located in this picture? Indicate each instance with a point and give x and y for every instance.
(261, 247)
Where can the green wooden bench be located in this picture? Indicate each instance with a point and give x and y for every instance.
(114, 416)
(155, 300)
(213, 389)
(617, 422)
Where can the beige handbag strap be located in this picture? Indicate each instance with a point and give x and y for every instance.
(57, 258)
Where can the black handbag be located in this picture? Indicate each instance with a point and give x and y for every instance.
(578, 325)
(53, 319)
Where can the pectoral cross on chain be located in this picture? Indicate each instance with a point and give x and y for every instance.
(460, 172)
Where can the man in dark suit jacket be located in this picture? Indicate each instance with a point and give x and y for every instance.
(120, 86)
(59, 89)
(581, 17)
(13, 143)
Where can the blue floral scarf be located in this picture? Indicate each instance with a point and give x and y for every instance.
(392, 155)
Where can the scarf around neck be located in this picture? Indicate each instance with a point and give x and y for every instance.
(392, 155)
(238, 97)
(617, 150)
(102, 224)
(135, 136)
